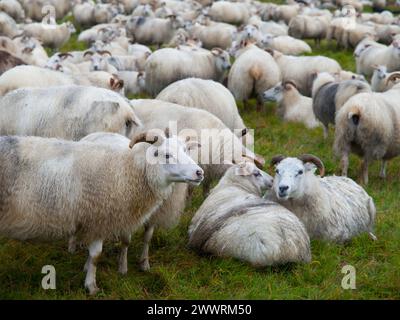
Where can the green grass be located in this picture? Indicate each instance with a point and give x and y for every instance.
(178, 272)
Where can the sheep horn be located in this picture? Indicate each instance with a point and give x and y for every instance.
(393, 77)
(102, 52)
(276, 159)
(65, 55)
(315, 160)
(144, 137)
(88, 53)
(259, 161)
(291, 83)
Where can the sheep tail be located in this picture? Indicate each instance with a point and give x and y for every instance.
(255, 73)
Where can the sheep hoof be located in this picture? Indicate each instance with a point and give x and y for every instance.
(372, 236)
(144, 265)
(92, 288)
(123, 270)
(382, 175)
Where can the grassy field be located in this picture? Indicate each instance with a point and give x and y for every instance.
(178, 273)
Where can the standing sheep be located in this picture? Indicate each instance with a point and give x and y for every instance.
(207, 95)
(168, 65)
(64, 180)
(329, 96)
(254, 71)
(332, 208)
(301, 70)
(66, 112)
(234, 221)
(309, 27)
(368, 125)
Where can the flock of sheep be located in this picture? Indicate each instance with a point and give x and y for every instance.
(80, 161)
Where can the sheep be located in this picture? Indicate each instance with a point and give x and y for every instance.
(388, 56)
(329, 96)
(53, 36)
(213, 35)
(32, 76)
(168, 65)
(351, 37)
(8, 61)
(386, 33)
(13, 8)
(165, 217)
(31, 51)
(206, 95)
(379, 80)
(134, 183)
(83, 13)
(285, 12)
(304, 27)
(234, 221)
(133, 82)
(229, 12)
(203, 124)
(285, 44)
(300, 69)
(99, 61)
(332, 208)
(367, 125)
(8, 26)
(292, 106)
(270, 27)
(152, 30)
(254, 70)
(66, 112)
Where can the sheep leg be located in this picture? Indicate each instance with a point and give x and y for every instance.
(345, 164)
(364, 171)
(326, 131)
(382, 173)
(95, 249)
(72, 244)
(144, 259)
(123, 258)
(260, 105)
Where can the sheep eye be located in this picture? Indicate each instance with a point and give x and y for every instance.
(277, 171)
(257, 174)
(156, 153)
(300, 172)
(167, 156)
(128, 123)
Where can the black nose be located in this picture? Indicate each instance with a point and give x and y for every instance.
(282, 189)
(199, 173)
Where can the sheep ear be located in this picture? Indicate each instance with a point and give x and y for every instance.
(242, 170)
(310, 167)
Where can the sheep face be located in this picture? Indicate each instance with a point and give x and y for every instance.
(381, 71)
(249, 172)
(290, 178)
(250, 32)
(274, 94)
(222, 60)
(170, 153)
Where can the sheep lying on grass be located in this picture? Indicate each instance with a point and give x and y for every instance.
(234, 221)
(292, 106)
(332, 208)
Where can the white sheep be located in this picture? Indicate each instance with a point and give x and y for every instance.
(379, 79)
(207, 95)
(300, 70)
(254, 71)
(285, 44)
(168, 65)
(229, 12)
(234, 221)
(8, 26)
(292, 106)
(331, 208)
(13, 8)
(371, 55)
(67, 178)
(309, 27)
(368, 125)
(66, 112)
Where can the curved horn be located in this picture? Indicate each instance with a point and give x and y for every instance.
(102, 52)
(393, 77)
(315, 160)
(88, 53)
(144, 137)
(291, 83)
(276, 159)
(65, 55)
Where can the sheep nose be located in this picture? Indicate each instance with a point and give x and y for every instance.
(199, 173)
(282, 189)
